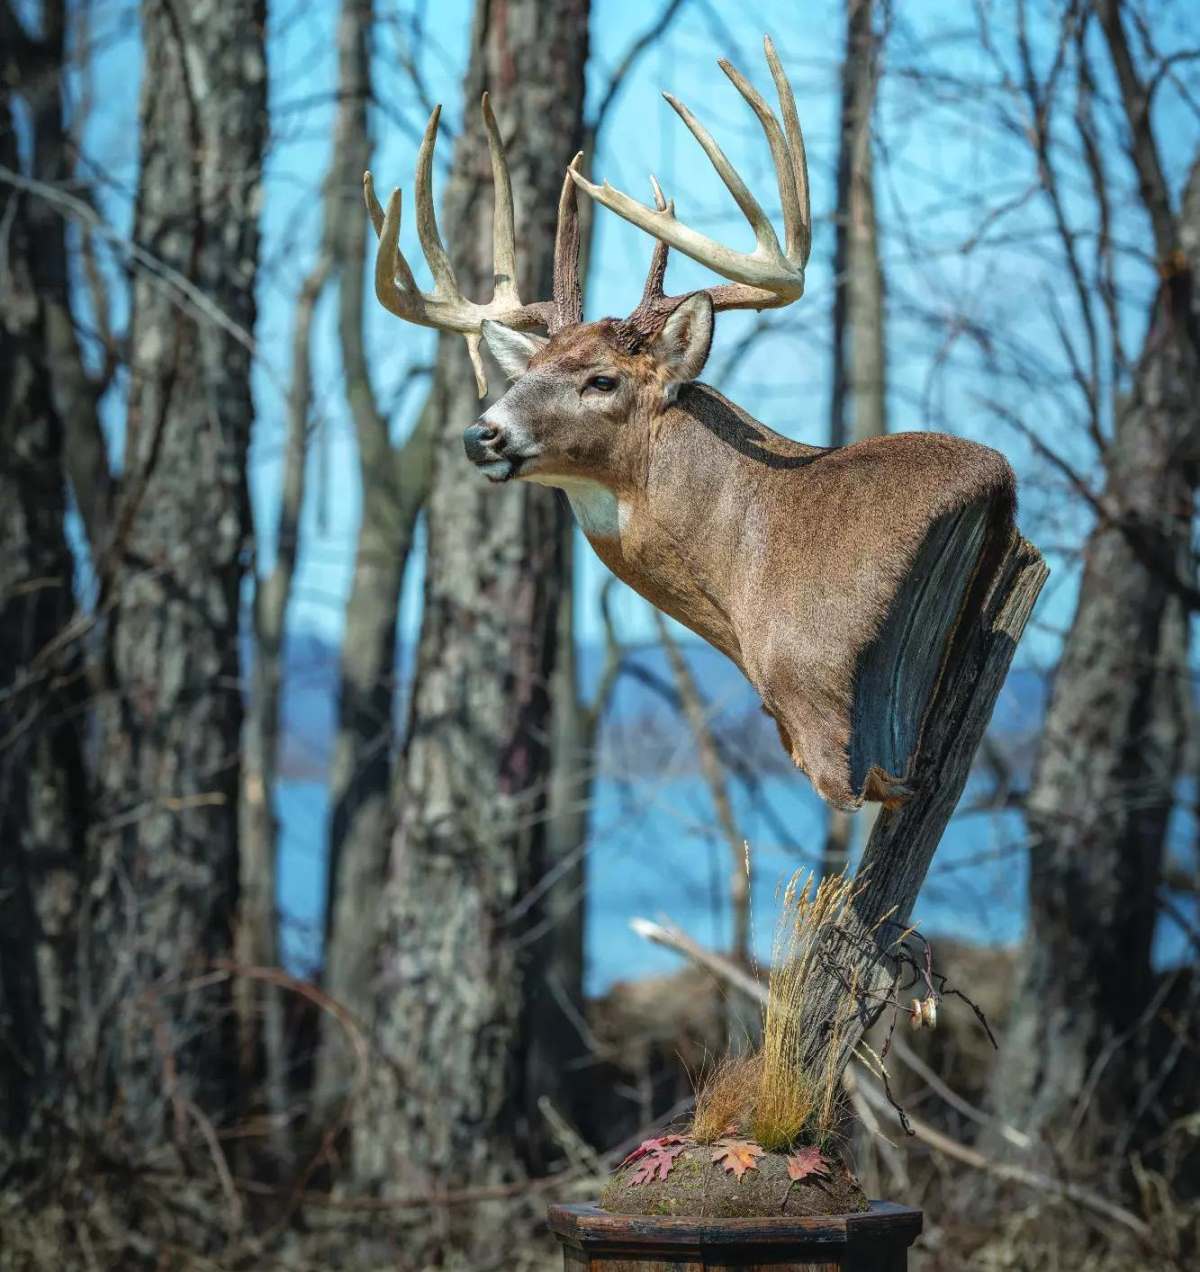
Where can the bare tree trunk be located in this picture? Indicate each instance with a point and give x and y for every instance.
(257, 936)
(395, 483)
(1110, 755)
(48, 424)
(450, 987)
(858, 400)
(554, 1006)
(554, 1027)
(42, 793)
(165, 868)
(903, 840)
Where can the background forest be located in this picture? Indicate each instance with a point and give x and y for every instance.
(331, 778)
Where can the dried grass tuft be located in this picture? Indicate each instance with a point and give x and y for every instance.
(791, 1089)
(725, 1097)
(793, 1098)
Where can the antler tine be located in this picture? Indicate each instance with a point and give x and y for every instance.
(567, 307)
(799, 236)
(653, 290)
(766, 277)
(764, 233)
(445, 285)
(403, 299)
(784, 173)
(504, 239)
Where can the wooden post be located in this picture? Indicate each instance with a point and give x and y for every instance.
(877, 1240)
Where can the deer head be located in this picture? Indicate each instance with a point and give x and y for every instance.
(793, 560)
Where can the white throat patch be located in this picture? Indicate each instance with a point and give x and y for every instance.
(599, 512)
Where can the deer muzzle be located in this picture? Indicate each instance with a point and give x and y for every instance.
(487, 447)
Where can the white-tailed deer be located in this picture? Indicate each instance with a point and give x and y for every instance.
(835, 579)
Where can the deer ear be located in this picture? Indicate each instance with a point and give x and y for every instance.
(513, 350)
(683, 344)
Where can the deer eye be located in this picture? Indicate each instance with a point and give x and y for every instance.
(602, 383)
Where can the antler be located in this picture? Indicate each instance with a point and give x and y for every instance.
(769, 276)
(446, 308)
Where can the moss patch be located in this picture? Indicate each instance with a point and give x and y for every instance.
(700, 1188)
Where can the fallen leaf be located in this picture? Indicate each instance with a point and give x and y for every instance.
(658, 1158)
(649, 1146)
(737, 1156)
(805, 1162)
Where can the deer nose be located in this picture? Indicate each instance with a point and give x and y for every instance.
(477, 438)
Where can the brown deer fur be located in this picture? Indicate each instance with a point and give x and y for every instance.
(835, 579)
(786, 557)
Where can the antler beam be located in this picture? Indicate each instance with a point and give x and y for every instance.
(769, 276)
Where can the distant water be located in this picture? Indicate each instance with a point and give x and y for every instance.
(653, 852)
(653, 849)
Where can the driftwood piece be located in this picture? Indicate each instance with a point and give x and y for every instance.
(901, 847)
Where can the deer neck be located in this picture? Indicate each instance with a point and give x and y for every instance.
(666, 528)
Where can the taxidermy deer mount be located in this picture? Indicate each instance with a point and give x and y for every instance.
(838, 580)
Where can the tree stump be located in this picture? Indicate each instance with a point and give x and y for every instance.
(875, 1240)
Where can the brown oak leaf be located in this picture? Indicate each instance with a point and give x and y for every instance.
(649, 1145)
(737, 1156)
(658, 1158)
(805, 1162)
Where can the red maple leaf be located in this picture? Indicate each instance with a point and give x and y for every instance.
(737, 1156)
(649, 1146)
(805, 1162)
(658, 1156)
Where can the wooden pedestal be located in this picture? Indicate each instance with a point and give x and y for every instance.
(875, 1241)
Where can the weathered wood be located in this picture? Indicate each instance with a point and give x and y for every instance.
(904, 839)
(876, 1240)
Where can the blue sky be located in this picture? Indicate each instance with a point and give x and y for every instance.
(951, 163)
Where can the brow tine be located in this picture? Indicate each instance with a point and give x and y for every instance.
(568, 287)
(657, 273)
(481, 384)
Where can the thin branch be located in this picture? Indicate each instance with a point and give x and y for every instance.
(1135, 99)
(697, 716)
(633, 54)
(170, 280)
(1068, 1191)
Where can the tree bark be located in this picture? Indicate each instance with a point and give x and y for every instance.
(858, 397)
(165, 866)
(554, 1004)
(902, 843)
(1110, 754)
(395, 484)
(42, 788)
(449, 988)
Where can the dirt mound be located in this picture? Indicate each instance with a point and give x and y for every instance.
(696, 1185)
